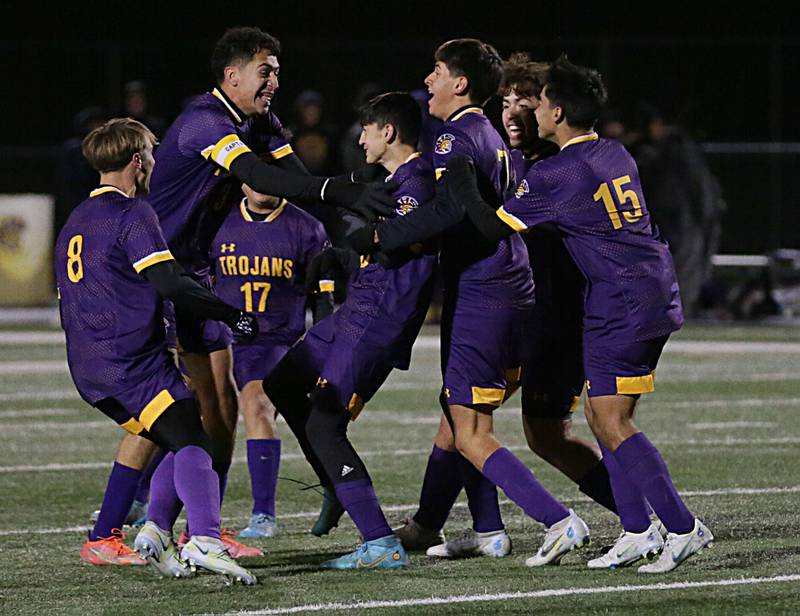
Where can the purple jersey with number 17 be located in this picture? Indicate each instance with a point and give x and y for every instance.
(260, 266)
(591, 192)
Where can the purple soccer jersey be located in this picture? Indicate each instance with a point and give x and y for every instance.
(355, 348)
(194, 156)
(259, 267)
(591, 192)
(481, 273)
(112, 317)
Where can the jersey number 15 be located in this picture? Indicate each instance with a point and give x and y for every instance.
(623, 196)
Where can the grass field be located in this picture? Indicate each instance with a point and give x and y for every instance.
(724, 416)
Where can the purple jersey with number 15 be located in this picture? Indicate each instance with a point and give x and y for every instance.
(591, 192)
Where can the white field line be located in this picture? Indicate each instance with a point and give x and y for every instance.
(56, 412)
(707, 443)
(11, 368)
(31, 338)
(57, 394)
(407, 508)
(514, 596)
(725, 425)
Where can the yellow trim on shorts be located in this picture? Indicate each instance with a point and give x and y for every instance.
(155, 408)
(326, 286)
(574, 406)
(132, 426)
(636, 384)
(488, 395)
(355, 406)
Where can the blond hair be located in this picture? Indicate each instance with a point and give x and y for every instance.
(111, 146)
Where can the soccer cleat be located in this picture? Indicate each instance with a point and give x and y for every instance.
(237, 549)
(329, 515)
(110, 551)
(659, 525)
(495, 544)
(136, 517)
(384, 553)
(678, 548)
(261, 525)
(210, 553)
(157, 547)
(416, 537)
(629, 548)
(562, 537)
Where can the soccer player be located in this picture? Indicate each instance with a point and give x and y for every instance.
(488, 289)
(552, 363)
(221, 133)
(591, 192)
(113, 269)
(343, 360)
(260, 257)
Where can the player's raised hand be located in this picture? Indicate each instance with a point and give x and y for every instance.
(367, 200)
(244, 327)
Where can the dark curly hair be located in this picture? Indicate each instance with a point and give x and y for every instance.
(522, 75)
(578, 90)
(239, 45)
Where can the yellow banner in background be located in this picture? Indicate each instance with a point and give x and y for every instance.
(26, 248)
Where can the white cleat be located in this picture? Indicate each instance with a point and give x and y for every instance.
(569, 534)
(629, 548)
(417, 538)
(495, 544)
(678, 548)
(210, 553)
(157, 547)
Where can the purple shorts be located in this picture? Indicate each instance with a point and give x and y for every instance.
(137, 408)
(336, 356)
(255, 360)
(622, 369)
(552, 363)
(480, 354)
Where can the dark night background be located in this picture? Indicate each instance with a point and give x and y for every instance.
(724, 72)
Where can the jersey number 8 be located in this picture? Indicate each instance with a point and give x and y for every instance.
(74, 263)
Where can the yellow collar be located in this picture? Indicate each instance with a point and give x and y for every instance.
(106, 189)
(593, 136)
(272, 216)
(462, 112)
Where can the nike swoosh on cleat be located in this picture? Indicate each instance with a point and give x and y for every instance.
(367, 565)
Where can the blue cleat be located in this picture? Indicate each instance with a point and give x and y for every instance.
(384, 553)
(261, 525)
(329, 516)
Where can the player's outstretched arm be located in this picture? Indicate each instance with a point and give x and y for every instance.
(189, 296)
(463, 188)
(368, 200)
(423, 223)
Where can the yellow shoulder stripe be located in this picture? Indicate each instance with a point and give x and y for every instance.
(511, 220)
(152, 259)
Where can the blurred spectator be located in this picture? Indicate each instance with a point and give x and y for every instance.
(684, 197)
(313, 139)
(75, 177)
(137, 107)
(352, 154)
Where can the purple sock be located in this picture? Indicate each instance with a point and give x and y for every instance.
(222, 475)
(645, 467)
(120, 490)
(633, 510)
(360, 501)
(198, 487)
(143, 493)
(264, 459)
(596, 484)
(164, 504)
(481, 498)
(440, 488)
(506, 471)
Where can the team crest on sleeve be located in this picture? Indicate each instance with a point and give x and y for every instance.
(522, 189)
(444, 144)
(405, 204)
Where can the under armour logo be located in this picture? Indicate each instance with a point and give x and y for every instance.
(346, 470)
(228, 247)
(447, 392)
(322, 382)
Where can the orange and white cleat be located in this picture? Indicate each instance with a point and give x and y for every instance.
(110, 551)
(237, 549)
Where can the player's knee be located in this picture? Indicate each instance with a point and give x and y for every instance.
(327, 422)
(180, 426)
